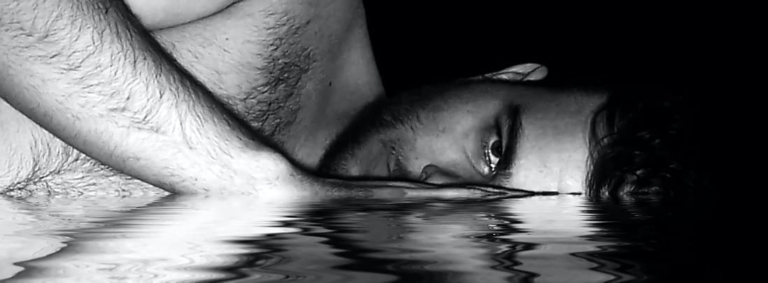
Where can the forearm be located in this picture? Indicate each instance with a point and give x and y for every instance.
(86, 72)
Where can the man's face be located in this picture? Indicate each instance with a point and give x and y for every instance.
(487, 132)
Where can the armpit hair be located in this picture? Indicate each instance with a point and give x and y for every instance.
(272, 106)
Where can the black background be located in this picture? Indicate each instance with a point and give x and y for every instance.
(422, 42)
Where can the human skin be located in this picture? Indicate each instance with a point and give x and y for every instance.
(164, 123)
(476, 131)
(205, 103)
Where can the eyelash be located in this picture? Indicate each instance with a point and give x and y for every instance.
(495, 172)
(487, 151)
(486, 158)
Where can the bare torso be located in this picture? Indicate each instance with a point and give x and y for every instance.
(296, 71)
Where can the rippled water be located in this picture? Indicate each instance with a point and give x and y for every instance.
(561, 238)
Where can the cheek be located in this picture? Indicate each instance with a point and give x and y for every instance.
(438, 140)
(429, 148)
(411, 150)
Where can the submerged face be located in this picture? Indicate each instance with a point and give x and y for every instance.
(488, 132)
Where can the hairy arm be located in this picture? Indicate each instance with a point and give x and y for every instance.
(87, 72)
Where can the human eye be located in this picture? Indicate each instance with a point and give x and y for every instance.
(492, 150)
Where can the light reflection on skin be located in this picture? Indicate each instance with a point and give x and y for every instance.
(443, 135)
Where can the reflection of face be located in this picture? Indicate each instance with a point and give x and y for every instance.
(488, 132)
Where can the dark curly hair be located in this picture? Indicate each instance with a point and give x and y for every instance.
(642, 141)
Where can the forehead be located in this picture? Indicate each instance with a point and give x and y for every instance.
(552, 148)
(531, 97)
(465, 104)
(479, 92)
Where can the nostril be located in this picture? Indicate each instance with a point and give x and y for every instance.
(427, 172)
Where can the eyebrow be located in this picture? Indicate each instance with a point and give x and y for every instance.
(513, 129)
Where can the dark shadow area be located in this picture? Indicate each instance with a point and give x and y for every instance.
(424, 42)
(660, 239)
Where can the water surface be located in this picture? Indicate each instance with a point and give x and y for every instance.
(563, 238)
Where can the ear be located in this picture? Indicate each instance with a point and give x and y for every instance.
(521, 72)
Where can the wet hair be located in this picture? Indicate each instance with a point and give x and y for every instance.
(642, 141)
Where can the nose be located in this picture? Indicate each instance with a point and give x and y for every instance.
(435, 175)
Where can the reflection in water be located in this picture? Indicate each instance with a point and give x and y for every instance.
(557, 230)
(36, 227)
(414, 242)
(240, 239)
(168, 240)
